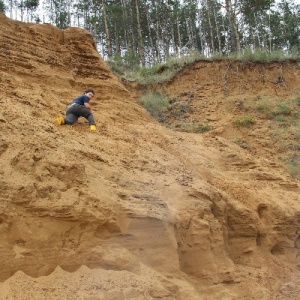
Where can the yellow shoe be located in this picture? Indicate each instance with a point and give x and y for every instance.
(59, 121)
(93, 127)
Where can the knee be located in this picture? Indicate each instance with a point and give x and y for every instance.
(69, 122)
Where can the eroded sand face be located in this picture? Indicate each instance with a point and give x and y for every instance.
(134, 210)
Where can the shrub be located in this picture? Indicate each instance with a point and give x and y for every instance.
(296, 134)
(274, 110)
(156, 104)
(192, 127)
(179, 109)
(294, 166)
(201, 128)
(264, 106)
(281, 108)
(245, 121)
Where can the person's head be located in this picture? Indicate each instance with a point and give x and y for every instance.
(90, 93)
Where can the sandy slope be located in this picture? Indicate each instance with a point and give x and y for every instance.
(133, 210)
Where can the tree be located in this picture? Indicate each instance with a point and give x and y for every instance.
(140, 36)
(233, 30)
(145, 32)
(107, 31)
(290, 20)
(58, 12)
(256, 15)
(2, 7)
(31, 6)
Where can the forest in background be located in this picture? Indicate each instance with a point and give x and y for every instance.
(148, 32)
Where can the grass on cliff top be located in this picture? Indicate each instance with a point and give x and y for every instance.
(128, 68)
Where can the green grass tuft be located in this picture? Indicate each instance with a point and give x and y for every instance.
(294, 166)
(156, 104)
(245, 121)
(191, 127)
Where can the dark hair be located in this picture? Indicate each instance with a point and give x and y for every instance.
(89, 91)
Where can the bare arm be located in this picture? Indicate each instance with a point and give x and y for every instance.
(88, 106)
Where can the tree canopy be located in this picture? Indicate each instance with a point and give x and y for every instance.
(146, 32)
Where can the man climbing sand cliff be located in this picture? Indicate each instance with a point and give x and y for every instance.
(80, 107)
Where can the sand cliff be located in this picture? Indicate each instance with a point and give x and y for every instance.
(133, 210)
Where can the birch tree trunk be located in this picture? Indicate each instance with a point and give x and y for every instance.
(179, 36)
(201, 38)
(140, 39)
(158, 37)
(210, 27)
(217, 29)
(152, 51)
(117, 40)
(123, 3)
(107, 32)
(235, 43)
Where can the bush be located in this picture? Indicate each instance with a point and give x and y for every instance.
(191, 127)
(265, 107)
(281, 108)
(274, 110)
(156, 104)
(296, 134)
(201, 128)
(179, 109)
(294, 166)
(245, 121)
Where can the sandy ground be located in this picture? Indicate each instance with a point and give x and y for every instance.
(136, 210)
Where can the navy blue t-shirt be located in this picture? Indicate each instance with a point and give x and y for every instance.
(82, 99)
